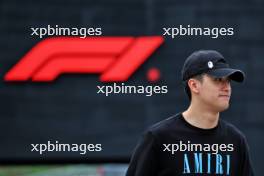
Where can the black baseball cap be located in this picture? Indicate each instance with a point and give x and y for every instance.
(212, 63)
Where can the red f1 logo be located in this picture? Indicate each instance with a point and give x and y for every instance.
(116, 58)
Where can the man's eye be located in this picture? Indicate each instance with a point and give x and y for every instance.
(218, 79)
(222, 80)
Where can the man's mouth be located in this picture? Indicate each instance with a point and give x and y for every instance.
(225, 96)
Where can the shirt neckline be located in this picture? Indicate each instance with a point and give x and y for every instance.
(202, 130)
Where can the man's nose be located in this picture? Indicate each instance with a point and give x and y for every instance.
(226, 85)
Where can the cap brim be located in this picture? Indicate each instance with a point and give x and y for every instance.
(233, 74)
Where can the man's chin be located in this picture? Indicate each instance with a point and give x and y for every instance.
(224, 107)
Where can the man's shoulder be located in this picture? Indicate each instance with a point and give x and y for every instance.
(165, 125)
(232, 130)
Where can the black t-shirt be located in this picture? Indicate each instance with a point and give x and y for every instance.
(175, 147)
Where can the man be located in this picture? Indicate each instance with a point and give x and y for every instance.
(197, 141)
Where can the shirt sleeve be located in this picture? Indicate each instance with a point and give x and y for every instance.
(144, 159)
(247, 169)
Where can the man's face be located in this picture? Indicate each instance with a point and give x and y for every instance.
(215, 92)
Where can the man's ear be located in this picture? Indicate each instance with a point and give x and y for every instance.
(194, 85)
